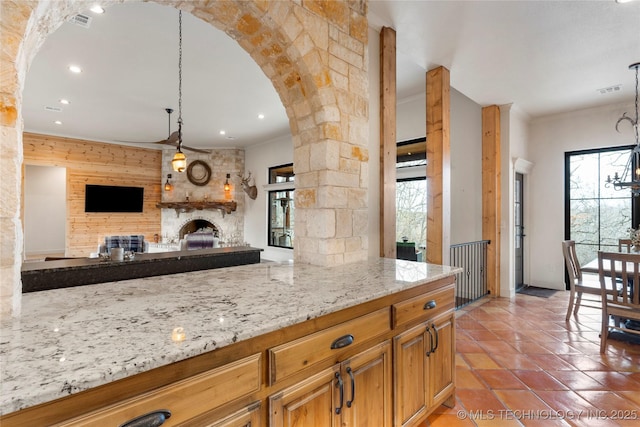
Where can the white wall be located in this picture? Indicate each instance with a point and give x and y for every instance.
(258, 159)
(551, 137)
(466, 169)
(514, 138)
(466, 158)
(45, 192)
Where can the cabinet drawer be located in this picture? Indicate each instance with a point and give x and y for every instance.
(184, 399)
(424, 306)
(294, 356)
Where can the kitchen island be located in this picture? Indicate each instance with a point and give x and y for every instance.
(103, 354)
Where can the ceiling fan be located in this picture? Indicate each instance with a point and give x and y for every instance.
(173, 138)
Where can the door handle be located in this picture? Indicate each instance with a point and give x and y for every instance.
(343, 341)
(435, 331)
(152, 419)
(430, 341)
(340, 384)
(429, 305)
(353, 387)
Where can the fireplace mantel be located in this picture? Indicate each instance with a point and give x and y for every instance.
(224, 206)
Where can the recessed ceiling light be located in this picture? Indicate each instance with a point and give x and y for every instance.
(261, 116)
(97, 9)
(75, 69)
(222, 132)
(65, 101)
(58, 122)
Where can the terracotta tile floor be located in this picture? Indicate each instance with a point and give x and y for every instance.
(518, 363)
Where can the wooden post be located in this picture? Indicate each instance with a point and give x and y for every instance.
(438, 164)
(491, 193)
(388, 143)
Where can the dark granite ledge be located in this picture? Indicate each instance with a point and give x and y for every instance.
(46, 275)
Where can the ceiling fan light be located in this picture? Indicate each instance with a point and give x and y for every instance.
(179, 162)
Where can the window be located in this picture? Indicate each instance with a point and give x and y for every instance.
(281, 206)
(597, 216)
(411, 193)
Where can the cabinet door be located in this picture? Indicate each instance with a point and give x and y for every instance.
(410, 365)
(442, 360)
(246, 417)
(368, 388)
(309, 403)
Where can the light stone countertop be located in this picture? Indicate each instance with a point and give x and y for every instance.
(73, 339)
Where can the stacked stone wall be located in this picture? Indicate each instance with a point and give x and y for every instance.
(314, 52)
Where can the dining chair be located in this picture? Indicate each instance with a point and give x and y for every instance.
(620, 304)
(624, 245)
(579, 283)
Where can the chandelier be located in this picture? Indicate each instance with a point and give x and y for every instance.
(179, 162)
(630, 178)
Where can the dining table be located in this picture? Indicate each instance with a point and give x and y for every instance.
(593, 267)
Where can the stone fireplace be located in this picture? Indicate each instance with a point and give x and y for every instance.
(200, 225)
(228, 227)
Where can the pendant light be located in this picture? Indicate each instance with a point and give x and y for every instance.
(179, 162)
(630, 178)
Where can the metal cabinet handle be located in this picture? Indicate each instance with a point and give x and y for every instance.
(340, 384)
(353, 387)
(343, 341)
(152, 419)
(436, 334)
(430, 341)
(429, 305)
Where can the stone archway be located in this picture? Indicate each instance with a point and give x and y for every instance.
(315, 55)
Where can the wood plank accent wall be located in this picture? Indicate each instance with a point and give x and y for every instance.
(491, 193)
(438, 163)
(89, 162)
(388, 143)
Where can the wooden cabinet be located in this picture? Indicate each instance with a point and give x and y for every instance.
(442, 362)
(292, 357)
(246, 417)
(386, 362)
(356, 392)
(184, 399)
(424, 369)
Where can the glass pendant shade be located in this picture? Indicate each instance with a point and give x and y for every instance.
(179, 162)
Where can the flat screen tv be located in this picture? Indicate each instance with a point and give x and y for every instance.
(109, 198)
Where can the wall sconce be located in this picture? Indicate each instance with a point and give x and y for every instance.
(227, 186)
(167, 185)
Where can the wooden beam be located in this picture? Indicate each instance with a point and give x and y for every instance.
(491, 193)
(438, 163)
(387, 143)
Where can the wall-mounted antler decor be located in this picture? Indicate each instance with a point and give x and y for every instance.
(251, 190)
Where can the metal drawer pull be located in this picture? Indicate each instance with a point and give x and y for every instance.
(341, 385)
(430, 341)
(152, 419)
(342, 342)
(436, 334)
(353, 387)
(429, 305)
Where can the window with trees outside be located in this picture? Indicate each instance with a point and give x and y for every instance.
(411, 193)
(281, 206)
(596, 216)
